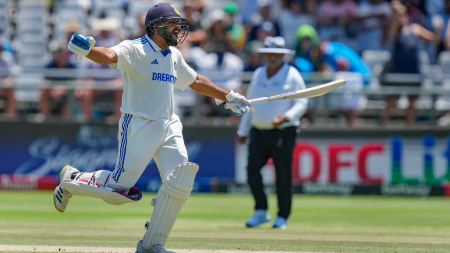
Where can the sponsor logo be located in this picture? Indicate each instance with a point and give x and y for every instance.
(245, 189)
(406, 190)
(332, 189)
(155, 62)
(175, 65)
(176, 10)
(156, 19)
(164, 77)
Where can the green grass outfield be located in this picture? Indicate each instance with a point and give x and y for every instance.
(216, 221)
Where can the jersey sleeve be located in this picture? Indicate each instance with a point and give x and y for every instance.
(185, 74)
(125, 55)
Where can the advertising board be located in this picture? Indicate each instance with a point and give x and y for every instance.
(394, 160)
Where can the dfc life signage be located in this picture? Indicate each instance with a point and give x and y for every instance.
(379, 161)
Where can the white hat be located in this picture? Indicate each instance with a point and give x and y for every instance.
(275, 45)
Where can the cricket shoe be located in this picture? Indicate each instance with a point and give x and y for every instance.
(61, 197)
(259, 217)
(157, 248)
(280, 223)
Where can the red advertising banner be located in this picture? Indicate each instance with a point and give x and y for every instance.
(392, 160)
(26, 182)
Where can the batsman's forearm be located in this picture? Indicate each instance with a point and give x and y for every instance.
(204, 86)
(102, 55)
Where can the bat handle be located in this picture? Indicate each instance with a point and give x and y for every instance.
(76, 57)
(229, 105)
(252, 102)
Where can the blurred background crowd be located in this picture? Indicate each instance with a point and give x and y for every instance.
(393, 54)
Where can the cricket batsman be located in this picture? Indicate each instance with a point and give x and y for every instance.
(148, 127)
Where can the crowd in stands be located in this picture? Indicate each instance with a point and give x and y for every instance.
(354, 40)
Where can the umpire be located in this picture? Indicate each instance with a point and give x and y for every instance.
(272, 130)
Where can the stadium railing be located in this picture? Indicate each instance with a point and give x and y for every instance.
(433, 88)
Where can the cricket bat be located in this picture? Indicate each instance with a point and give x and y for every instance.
(315, 91)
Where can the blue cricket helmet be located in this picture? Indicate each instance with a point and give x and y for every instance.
(161, 12)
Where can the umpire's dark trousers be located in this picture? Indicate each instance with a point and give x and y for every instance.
(279, 145)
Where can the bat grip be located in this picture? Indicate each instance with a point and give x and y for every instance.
(229, 105)
(252, 102)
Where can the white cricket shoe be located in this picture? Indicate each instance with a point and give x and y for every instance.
(259, 217)
(157, 248)
(61, 197)
(280, 223)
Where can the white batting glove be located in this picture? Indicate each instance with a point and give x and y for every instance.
(80, 44)
(244, 105)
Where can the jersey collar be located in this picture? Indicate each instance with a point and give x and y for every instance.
(156, 48)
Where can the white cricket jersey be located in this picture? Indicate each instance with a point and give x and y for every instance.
(287, 79)
(149, 76)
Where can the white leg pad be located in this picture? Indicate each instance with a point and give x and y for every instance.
(96, 185)
(172, 195)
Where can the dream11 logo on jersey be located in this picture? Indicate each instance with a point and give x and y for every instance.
(394, 161)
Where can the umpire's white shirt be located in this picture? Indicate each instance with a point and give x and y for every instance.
(149, 76)
(287, 79)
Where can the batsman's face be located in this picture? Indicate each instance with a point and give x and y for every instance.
(174, 28)
(274, 60)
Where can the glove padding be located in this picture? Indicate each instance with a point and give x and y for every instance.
(243, 107)
(81, 45)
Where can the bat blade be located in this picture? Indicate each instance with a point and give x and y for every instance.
(315, 91)
(310, 92)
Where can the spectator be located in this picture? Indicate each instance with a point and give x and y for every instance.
(234, 25)
(291, 19)
(326, 56)
(374, 17)
(332, 12)
(55, 99)
(192, 11)
(406, 38)
(197, 35)
(217, 55)
(110, 82)
(413, 8)
(6, 90)
(261, 17)
(254, 59)
(307, 54)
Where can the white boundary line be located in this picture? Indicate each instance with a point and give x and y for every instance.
(29, 248)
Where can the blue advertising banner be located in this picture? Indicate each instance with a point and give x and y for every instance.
(92, 148)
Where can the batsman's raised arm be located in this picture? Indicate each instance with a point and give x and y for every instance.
(102, 55)
(85, 47)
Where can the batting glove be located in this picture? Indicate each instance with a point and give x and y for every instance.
(244, 105)
(81, 45)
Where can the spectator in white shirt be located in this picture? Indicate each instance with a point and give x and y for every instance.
(272, 130)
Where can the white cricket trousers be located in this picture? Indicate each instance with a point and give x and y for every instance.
(140, 140)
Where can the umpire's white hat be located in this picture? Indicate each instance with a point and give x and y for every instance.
(275, 45)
